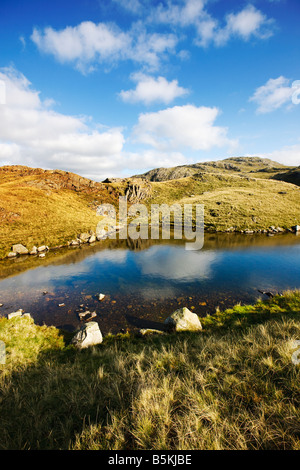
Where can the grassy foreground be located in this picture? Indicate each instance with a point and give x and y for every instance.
(231, 386)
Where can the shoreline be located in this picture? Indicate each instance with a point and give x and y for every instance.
(129, 393)
(91, 238)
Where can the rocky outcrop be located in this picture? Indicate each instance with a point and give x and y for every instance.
(53, 180)
(164, 174)
(238, 165)
(137, 190)
(183, 320)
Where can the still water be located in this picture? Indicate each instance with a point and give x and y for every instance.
(145, 281)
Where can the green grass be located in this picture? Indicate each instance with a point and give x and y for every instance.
(234, 202)
(231, 386)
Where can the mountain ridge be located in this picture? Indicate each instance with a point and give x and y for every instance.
(260, 167)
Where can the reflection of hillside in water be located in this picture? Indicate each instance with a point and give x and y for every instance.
(212, 241)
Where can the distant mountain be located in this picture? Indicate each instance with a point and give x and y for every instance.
(242, 166)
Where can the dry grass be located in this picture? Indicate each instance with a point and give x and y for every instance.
(232, 386)
(34, 216)
(233, 201)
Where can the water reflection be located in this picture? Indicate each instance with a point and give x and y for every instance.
(147, 280)
(178, 264)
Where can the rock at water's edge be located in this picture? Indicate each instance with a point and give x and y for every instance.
(19, 249)
(183, 320)
(88, 335)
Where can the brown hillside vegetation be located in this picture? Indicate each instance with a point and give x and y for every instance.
(47, 207)
(50, 207)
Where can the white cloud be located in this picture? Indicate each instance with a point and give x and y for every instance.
(133, 6)
(82, 43)
(88, 43)
(288, 155)
(150, 90)
(273, 95)
(34, 135)
(182, 127)
(185, 14)
(247, 23)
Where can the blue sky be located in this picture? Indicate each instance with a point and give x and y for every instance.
(116, 87)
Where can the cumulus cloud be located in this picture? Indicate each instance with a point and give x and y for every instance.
(32, 134)
(89, 43)
(248, 22)
(288, 155)
(182, 127)
(273, 95)
(183, 14)
(150, 90)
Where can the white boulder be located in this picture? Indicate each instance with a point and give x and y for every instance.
(183, 320)
(88, 335)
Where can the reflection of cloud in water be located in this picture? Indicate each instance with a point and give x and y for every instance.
(111, 256)
(51, 274)
(180, 265)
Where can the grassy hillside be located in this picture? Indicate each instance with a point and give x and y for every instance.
(47, 207)
(51, 207)
(234, 202)
(231, 386)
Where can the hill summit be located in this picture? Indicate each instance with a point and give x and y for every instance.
(253, 166)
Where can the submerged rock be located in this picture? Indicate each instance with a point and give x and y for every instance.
(82, 315)
(18, 313)
(101, 296)
(88, 335)
(183, 320)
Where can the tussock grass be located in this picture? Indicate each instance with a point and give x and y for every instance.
(232, 386)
